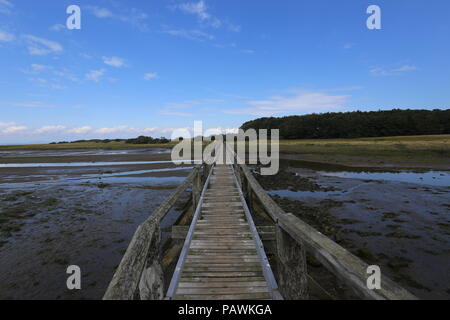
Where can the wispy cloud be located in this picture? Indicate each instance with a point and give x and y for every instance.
(13, 129)
(57, 27)
(150, 76)
(132, 16)
(36, 69)
(348, 45)
(114, 61)
(80, 130)
(6, 36)
(50, 129)
(95, 75)
(5, 6)
(200, 10)
(301, 102)
(41, 46)
(377, 71)
(111, 130)
(196, 35)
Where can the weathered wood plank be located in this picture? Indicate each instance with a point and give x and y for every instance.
(248, 296)
(225, 284)
(265, 232)
(231, 280)
(222, 291)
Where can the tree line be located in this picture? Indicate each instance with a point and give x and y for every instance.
(357, 124)
(138, 140)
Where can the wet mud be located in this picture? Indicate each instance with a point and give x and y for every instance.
(53, 217)
(401, 225)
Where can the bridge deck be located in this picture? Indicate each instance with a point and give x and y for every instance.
(222, 261)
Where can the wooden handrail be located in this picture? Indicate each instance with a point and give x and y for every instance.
(126, 279)
(335, 258)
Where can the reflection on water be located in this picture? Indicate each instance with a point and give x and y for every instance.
(434, 178)
(81, 164)
(137, 176)
(65, 153)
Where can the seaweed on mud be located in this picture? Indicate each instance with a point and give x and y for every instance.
(408, 281)
(16, 196)
(402, 235)
(286, 180)
(398, 263)
(366, 255)
(316, 216)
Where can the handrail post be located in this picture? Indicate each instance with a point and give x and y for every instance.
(196, 188)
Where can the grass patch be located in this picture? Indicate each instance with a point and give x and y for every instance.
(413, 148)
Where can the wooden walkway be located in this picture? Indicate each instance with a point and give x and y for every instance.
(223, 257)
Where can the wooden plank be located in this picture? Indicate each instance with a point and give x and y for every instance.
(266, 233)
(229, 204)
(225, 284)
(225, 241)
(247, 296)
(210, 291)
(231, 274)
(222, 250)
(225, 256)
(220, 279)
(198, 269)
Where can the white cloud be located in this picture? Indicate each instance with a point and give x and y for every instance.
(149, 76)
(13, 129)
(200, 10)
(80, 130)
(100, 12)
(377, 71)
(95, 75)
(41, 46)
(6, 36)
(405, 68)
(114, 61)
(57, 27)
(131, 16)
(301, 102)
(5, 6)
(234, 27)
(248, 51)
(6, 124)
(50, 129)
(112, 130)
(196, 35)
(348, 45)
(150, 130)
(220, 130)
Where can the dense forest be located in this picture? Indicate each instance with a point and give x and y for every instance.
(357, 124)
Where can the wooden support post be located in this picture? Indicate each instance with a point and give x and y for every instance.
(196, 189)
(151, 284)
(292, 272)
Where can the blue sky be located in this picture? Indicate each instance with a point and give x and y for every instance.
(147, 67)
